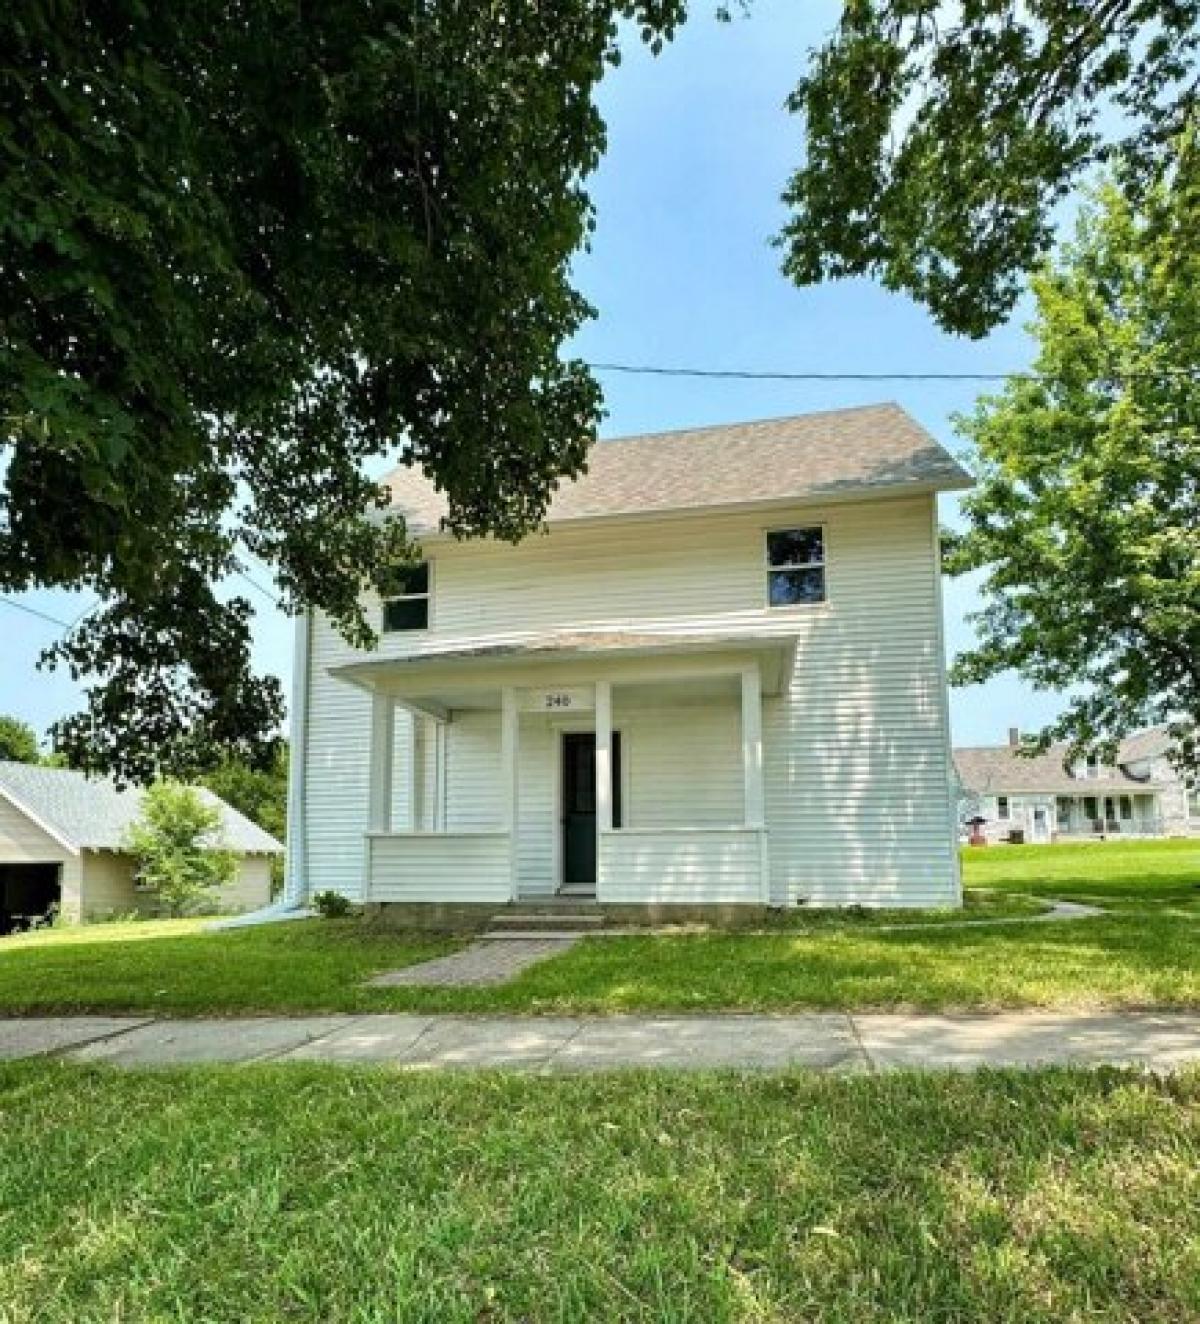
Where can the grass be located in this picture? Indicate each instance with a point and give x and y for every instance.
(1151, 876)
(1145, 954)
(978, 903)
(174, 967)
(261, 1194)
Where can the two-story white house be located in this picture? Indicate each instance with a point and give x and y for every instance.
(716, 679)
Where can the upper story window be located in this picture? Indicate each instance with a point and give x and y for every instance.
(406, 607)
(796, 567)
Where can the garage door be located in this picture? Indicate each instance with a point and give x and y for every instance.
(27, 893)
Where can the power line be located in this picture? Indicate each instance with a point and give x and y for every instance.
(255, 584)
(740, 374)
(33, 611)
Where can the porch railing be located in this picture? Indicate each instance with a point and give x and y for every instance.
(683, 866)
(446, 867)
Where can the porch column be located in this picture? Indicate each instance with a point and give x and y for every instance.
(754, 794)
(413, 769)
(383, 736)
(604, 789)
(439, 777)
(752, 747)
(509, 786)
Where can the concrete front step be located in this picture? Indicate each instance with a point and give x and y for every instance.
(530, 935)
(565, 919)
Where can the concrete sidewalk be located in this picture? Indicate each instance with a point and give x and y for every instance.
(831, 1041)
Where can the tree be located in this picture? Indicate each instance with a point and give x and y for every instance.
(247, 246)
(259, 793)
(177, 844)
(1086, 519)
(18, 741)
(939, 139)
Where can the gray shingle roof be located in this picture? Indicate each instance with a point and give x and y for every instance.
(1149, 744)
(810, 456)
(94, 814)
(999, 769)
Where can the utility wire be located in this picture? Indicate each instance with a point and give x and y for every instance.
(738, 374)
(255, 584)
(33, 611)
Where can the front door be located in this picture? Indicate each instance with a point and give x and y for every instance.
(579, 803)
(1041, 824)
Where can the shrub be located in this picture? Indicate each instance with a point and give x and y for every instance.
(331, 905)
(178, 845)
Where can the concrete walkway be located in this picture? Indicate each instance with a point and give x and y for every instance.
(501, 954)
(831, 1041)
(492, 961)
(1057, 911)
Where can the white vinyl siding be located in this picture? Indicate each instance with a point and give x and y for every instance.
(858, 795)
(22, 841)
(684, 763)
(715, 866)
(451, 868)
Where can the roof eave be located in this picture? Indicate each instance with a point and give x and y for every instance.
(375, 673)
(50, 829)
(827, 497)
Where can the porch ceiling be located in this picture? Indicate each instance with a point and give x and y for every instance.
(624, 657)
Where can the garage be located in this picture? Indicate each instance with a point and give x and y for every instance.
(28, 892)
(63, 843)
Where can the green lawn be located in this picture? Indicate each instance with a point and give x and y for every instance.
(1121, 875)
(174, 967)
(1144, 954)
(253, 1195)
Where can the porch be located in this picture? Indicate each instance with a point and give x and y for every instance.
(630, 780)
(1127, 814)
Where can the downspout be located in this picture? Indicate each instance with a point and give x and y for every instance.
(295, 882)
(293, 904)
(952, 781)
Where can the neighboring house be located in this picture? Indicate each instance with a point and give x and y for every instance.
(716, 680)
(1146, 757)
(61, 843)
(1046, 798)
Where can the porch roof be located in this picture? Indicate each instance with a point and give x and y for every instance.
(776, 654)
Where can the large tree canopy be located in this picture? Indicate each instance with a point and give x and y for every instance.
(245, 245)
(939, 137)
(1086, 520)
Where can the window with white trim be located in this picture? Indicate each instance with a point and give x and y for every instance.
(796, 567)
(406, 603)
(1003, 808)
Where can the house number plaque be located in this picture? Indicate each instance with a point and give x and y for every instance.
(564, 700)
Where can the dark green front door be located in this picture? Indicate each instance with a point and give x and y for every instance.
(579, 803)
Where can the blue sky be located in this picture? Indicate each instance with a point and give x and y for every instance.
(682, 273)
